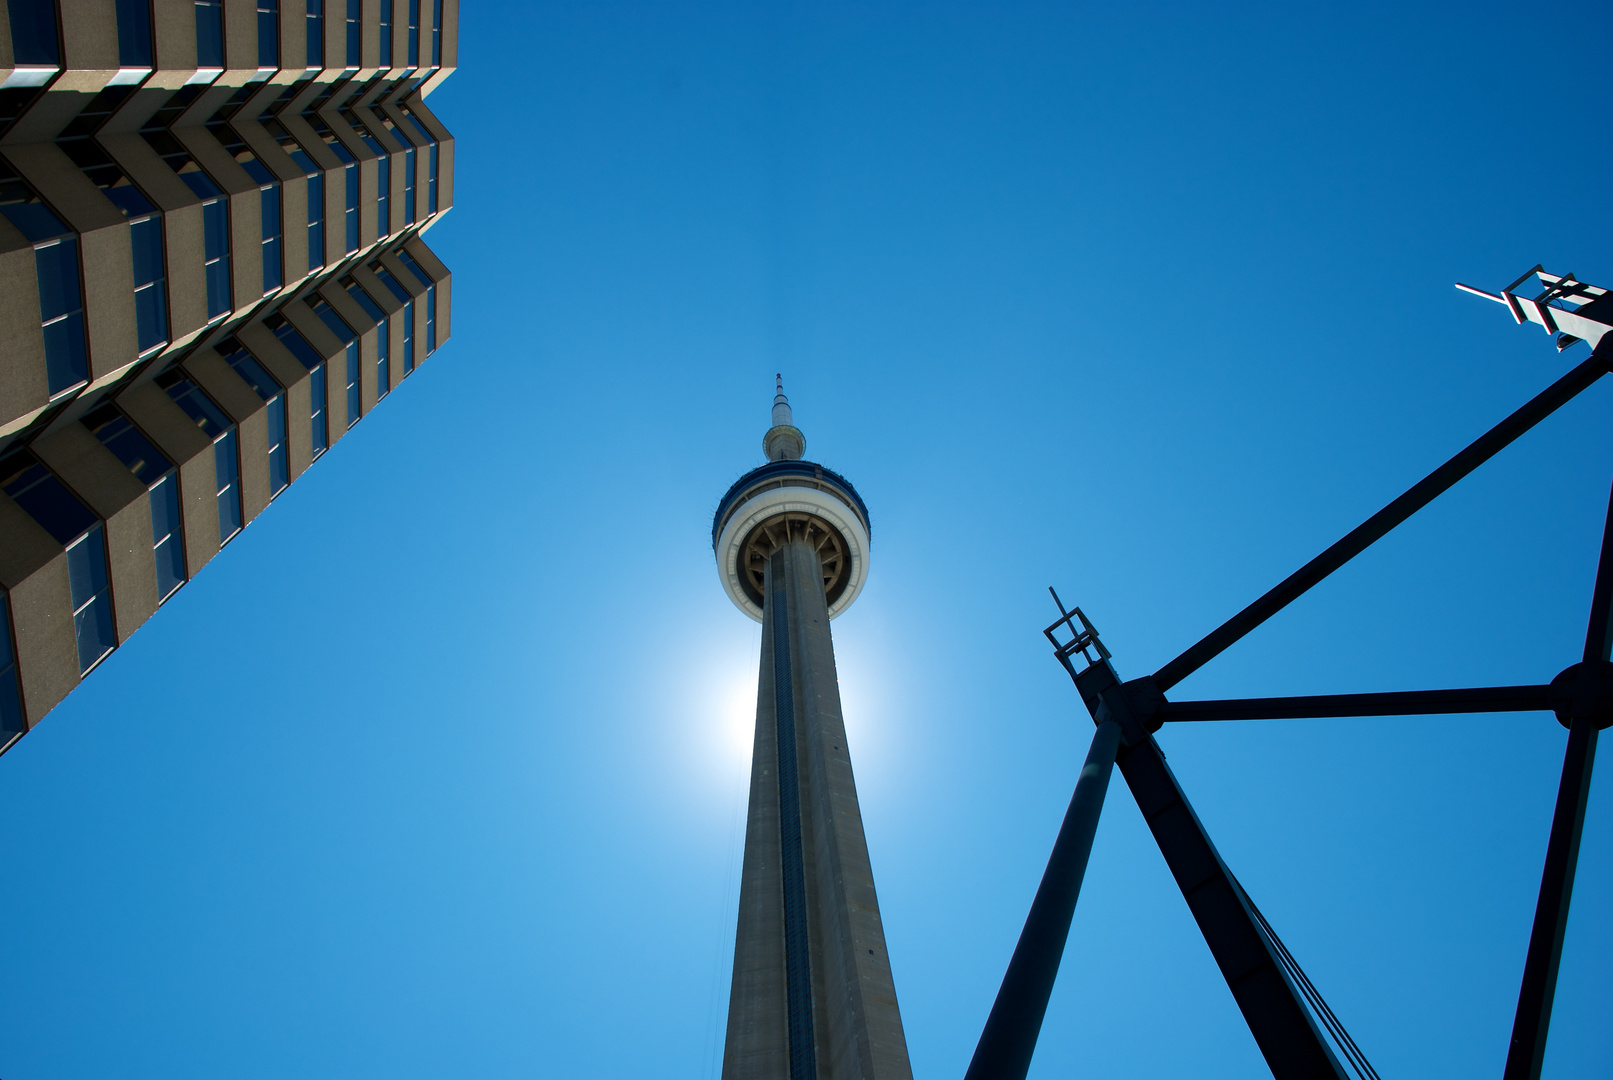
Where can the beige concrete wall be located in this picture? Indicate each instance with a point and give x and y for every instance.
(33, 570)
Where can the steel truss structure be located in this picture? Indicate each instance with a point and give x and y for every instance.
(1283, 1010)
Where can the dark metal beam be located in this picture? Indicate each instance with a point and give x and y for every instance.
(1479, 699)
(1527, 1050)
(1009, 1038)
(1418, 496)
(1285, 1031)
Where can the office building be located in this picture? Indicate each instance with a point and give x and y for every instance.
(212, 266)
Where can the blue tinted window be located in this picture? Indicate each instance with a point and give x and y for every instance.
(33, 32)
(383, 359)
(408, 186)
(337, 324)
(126, 198)
(279, 475)
(431, 181)
(414, 33)
(61, 312)
(295, 343)
(316, 221)
(362, 299)
(316, 33)
(128, 444)
(351, 177)
(353, 401)
(34, 220)
(196, 405)
(408, 337)
(167, 542)
(386, 33)
(431, 320)
(227, 466)
(436, 33)
(150, 288)
(355, 36)
(11, 721)
(383, 189)
(92, 599)
(216, 243)
(414, 268)
(247, 366)
(45, 498)
(273, 277)
(268, 33)
(209, 33)
(384, 276)
(320, 433)
(134, 33)
(200, 183)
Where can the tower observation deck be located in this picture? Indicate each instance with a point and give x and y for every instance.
(812, 995)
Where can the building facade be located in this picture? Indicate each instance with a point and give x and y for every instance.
(212, 265)
(812, 995)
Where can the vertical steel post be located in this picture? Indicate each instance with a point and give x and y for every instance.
(1009, 1038)
(1527, 1051)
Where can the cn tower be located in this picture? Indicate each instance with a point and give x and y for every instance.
(812, 995)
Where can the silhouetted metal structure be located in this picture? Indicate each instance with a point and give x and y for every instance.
(1297, 1033)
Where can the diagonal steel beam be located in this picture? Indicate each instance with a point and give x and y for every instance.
(1364, 535)
(1009, 1039)
(1285, 1031)
(1478, 699)
(1527, 1050)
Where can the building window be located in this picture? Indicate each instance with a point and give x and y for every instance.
(33, 33)
(308, 357)
(268, 34)
(386, 33)
(216, 248)
(350, 177)
(408, 337)
(61, 297)
(11, 721)
(431, 320)
(414, 33)
(273, 274)
(209, 33)
(92, 598)
(274, 399)
(436, 33)
(316, 219)
(383, 338)
(316, 34)
(355, 33)
(134, 33)
(383, 358)
(383, 191)
(349, 338)
(384, 276)
(431, 181)
(153, 469)
(414, 268)
(408, 186)
(226, 452)
(48, 501)
(150, 284)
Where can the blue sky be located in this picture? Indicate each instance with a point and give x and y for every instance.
(439, 770)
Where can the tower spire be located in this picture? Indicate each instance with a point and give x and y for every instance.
(783, 441)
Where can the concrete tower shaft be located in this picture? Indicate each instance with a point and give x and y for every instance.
(812, 994)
